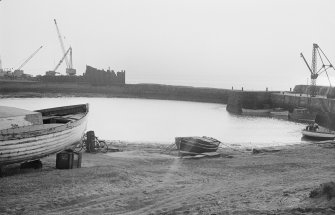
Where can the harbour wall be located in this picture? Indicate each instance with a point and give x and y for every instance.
(235, 99)
(248, 100)
(147, 91)
(323, 107)
(288, 100)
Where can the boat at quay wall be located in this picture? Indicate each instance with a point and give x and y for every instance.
(32, 135)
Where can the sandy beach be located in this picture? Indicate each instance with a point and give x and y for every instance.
(148, 179)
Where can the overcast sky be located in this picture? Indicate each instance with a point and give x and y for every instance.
(213, 43)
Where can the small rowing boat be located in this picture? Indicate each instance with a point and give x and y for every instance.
(318, 133)
(196, 145)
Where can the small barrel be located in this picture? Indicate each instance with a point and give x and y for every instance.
(68, 159)
(64, 160)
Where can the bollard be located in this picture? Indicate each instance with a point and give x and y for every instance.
(90, 141)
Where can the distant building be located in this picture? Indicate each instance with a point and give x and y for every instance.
(102, 78)
(18, 73)
(50, 73)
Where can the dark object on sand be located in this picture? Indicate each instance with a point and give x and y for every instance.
(325, 189)
(257, 151)
(196, 145)
(68, 160)
(202, 155)
(27, 135)
(36, 164)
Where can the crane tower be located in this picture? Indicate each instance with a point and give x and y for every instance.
(315, 72)
(18, 72)
(69, 65)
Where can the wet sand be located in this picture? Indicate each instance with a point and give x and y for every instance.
(148, 179)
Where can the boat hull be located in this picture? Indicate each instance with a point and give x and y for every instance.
(318, 135)
(256, 112)
(197, 145)
(37, 141)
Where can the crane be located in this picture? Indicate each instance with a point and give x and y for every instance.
(69, 65)
(1, 70)
(53, 72)
(26, 61)
(315, 72)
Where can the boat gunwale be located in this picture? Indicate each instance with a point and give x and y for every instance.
(53, 130)
(316, 132)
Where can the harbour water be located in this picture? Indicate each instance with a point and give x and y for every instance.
(160, 121)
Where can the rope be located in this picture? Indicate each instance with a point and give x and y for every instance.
(233, 148)
(169, 147)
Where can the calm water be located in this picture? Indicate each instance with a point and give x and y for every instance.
(161, 121)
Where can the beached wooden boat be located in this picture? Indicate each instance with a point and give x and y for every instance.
(196, 145)
(33, 135)
(319, 133)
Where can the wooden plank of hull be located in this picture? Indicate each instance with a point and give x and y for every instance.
(31, 142)
(196, 148)
(22, 149)
(201, 143)
(44, 143)
(48, 146)
(318, 135)
(53, 145)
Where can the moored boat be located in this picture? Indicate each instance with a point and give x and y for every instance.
(37, 134)
(279, 113)
(301, 114)
(197, 145)
(256, 112)
(318, 133)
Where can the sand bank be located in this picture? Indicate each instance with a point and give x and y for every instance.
(147, 179)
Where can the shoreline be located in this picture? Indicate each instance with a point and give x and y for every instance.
(148, 179)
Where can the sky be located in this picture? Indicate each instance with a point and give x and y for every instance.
(252, 44)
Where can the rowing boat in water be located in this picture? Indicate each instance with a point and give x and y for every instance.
(318, 135)
(26, 135)
(196, 145)
(318, 132)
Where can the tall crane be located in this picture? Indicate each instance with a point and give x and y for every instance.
(1, 70)
(69, 65)
(53, 72)
(29, 58)
(315, 72)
